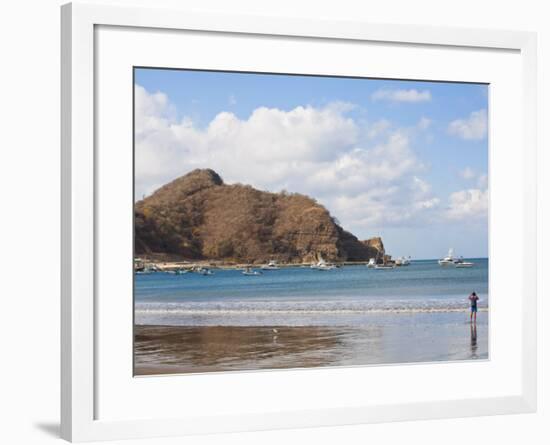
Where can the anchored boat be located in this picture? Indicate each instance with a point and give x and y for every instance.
(272, 265)
(460, 263)
(449, 260)
(323, 265)
(403, 261)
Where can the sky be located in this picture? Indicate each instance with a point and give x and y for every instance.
(404, 160)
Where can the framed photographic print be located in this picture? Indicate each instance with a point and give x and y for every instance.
(274, 223)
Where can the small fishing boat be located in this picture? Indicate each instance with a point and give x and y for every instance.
(464, 264)
(460, 263)
(326, 266)
(181, 271)
(449, 260)
(204, 271)
(323, 265)
(272, 265)
(250, 272)
(403, 261)
(147, 269)
(372, 263)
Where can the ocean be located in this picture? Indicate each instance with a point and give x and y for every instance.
(306, 297)
(300, 317)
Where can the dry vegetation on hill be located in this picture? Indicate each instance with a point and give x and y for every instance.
(197, 216)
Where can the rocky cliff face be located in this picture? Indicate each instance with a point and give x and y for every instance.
(375, 245)
(197, 216)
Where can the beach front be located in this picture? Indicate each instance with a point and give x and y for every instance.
(302, 318)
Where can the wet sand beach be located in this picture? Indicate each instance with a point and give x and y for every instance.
(382, 339)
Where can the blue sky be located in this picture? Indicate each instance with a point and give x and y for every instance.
(401, 159)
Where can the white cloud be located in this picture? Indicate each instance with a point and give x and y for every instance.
(364, 176)
(431, 203)
(424, 123)
(399, 203)
(420, 186)
(410, 96)
(468, 173)
(151, 110)
(378, 129)
(483, 181)
(474, 127)
(471, 204)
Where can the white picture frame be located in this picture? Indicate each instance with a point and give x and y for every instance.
(80, 418)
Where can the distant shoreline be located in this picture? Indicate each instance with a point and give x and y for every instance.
(179, 265)
(224, 265)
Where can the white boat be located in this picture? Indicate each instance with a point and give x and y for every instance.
(250, 272)
(464, 264)
(272, 265)
(385, 266)
(449, 260)
(323, 265)
(148, 269)
(372, 263)
(403, 261)
(204, 271)
(460, 263)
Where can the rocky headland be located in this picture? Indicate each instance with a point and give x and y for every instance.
(199, 217)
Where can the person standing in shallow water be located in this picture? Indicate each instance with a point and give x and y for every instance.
(473, 306)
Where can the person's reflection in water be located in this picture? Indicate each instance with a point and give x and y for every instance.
(473, 340)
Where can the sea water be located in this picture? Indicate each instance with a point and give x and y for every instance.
(301, 296)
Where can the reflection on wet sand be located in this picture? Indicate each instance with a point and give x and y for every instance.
(473, 339)
(180, 349)
(380, 340)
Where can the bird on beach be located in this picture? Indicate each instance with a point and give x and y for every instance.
(275, 336)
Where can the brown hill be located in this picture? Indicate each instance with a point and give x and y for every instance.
(197, 216)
